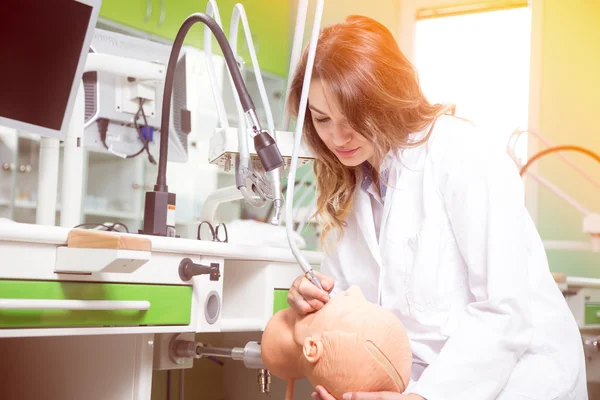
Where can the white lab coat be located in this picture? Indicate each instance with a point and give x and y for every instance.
(461, 263)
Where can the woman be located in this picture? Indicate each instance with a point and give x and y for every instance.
(426, 215)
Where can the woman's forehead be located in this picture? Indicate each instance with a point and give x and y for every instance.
(320, 98)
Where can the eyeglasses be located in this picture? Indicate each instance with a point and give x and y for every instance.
(214, 232)
(111, 227)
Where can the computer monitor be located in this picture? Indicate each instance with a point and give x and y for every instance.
(43, 50)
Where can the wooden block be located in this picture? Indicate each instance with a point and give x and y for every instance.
(559, 277)
(92, 239)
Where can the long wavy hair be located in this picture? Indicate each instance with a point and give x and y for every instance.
(376, 89)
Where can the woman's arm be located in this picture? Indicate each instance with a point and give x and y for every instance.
(484, 199)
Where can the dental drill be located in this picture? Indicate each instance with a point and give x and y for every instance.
(250, 355)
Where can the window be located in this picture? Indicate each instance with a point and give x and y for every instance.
(480, 62)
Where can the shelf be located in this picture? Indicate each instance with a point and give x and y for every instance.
(112, 213)
(31, 205)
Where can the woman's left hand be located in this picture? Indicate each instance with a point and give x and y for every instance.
(322, 394)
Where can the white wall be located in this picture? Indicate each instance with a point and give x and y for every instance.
(386, 12)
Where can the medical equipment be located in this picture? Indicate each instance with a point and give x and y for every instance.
(158, 215)
(224, 146)
(229, 146)
(31, 34)
(308, 271)
(112, 101)
(214, 232)
(591, 221)
(180, 350)
(247, 173)
(47, 107)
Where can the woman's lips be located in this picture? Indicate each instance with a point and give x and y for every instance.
(347, 153)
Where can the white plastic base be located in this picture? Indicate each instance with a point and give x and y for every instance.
(162, 357)
(224, 146)
(86, 261)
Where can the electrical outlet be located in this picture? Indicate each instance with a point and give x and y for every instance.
(162, 357)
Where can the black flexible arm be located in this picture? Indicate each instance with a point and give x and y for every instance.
(247, 104)
(555, 149)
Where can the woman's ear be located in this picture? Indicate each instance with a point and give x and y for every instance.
(312, 349)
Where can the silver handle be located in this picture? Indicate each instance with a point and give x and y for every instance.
(104, 305)
(163, 13)
(25, 168)
(148, 10)
(8, 167)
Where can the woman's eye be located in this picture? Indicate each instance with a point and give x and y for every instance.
(322, 120)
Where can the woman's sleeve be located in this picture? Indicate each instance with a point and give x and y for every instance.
(483, 195)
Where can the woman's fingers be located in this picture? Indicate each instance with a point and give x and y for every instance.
(304, 297)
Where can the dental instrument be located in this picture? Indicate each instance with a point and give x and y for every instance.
(245, 170)
(289, 207)
(591, 220)
(158, 219)
(246, 174)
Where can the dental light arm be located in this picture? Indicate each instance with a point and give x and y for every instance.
(157, 217)
(289, 206)
(591, 221)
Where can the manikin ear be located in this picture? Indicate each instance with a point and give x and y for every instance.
(313, 350)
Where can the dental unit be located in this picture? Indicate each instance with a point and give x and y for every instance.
(158, 220)
(149, 285)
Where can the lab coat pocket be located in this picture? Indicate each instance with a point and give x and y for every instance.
(433, 266)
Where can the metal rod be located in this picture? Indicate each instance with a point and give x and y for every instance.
(206, 351)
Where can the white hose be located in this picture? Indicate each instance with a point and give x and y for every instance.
(239, 13)
(213, 11)
(296, 52)
(289, 206)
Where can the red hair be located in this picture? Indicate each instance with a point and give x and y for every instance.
(376, 89)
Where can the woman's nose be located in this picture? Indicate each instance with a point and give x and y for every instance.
(340, 136)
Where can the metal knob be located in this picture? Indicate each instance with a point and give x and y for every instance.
(592, 343)
(8, 166)
(188, 269)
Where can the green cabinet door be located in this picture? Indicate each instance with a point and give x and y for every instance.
(139, 14)
(269, 23)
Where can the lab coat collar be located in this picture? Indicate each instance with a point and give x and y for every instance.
(401, 163)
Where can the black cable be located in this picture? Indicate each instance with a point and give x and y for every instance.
(146, 141)
(245, 99)
(103, 129)
(555, 149)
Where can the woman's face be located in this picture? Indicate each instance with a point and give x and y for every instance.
(349, 146)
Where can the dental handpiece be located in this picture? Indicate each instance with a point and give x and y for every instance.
(311, 276)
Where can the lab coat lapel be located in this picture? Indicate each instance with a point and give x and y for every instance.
(389, 198)
(364, 216)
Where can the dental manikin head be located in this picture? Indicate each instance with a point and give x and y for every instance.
(350, 345)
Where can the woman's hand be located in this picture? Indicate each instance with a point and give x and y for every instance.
(321, 394)
(304, 297)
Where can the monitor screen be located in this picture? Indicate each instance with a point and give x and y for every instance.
(41, 48)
